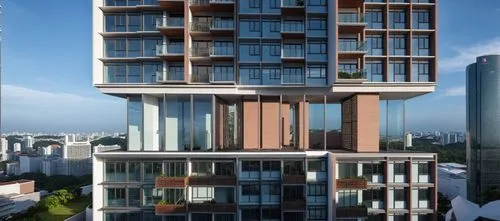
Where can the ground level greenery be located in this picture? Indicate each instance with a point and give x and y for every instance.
(67, 210)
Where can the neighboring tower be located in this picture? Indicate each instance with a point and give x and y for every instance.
(5, 146)
(408, 140)
(483, 123)
(17, 147)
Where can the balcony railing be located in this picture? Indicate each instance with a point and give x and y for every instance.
(162, 50)
(222, 77)
(212, 206)
(200, 26)
(352, 46)
(293, 78)
(222, 25)
(221, 1)
(348, 17)
(292, 53)
(199, 2)
(199, 52)
(351, 212)
(163, 208)
(224, 51)
(298, 204)
(294, 179)
(352, 183)
(163, 181)
(352, 74)
(169, 76)
(170, 23)
(295, 27)
(200, 77)
(292, 3)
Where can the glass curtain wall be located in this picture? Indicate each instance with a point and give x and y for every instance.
(392, 124)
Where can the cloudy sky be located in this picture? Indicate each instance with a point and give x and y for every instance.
(46, 67)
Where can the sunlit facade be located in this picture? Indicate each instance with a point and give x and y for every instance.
(264, 109)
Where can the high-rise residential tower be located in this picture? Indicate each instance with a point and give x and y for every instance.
(483, 122)
(264, 109)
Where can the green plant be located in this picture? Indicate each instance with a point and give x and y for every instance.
(357, 75)
(344, 75)
(162, 202)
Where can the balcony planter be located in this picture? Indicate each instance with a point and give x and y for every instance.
(294, 179)
(163, 208)
(211, 180)
(294, 205)
(212, 206)
(352, 183)
(163, 181)
(351, 212)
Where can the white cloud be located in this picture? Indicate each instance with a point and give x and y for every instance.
(454, 91)
(467, 55)
(35, 110)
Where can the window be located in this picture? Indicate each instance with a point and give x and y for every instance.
(423, 169)
(223, 73)
(150, 45)
(399, 194)
(134, 47)
(254, 3)
(254, 73)
(397, 71)
(293, 26)
(175, 169)
(149, 21)
(254, 26)
(271, 214)
(115, 197)
(421, 19)
(134, 171)
(399, 169)
(348, 170)
(116, 47)
(423, 194)
(274, 4)
(202, 194)
(275, 26)
(347, 198)
(271, 75)
(370, 169)
(134, 197)
(224, 168)
(247, 166)
(253, 49)
(316, 2)
(271, 189)
(316, 24)
(316, 71)
(374, 71)
(250, 189)
(420, 72)
(316, 213)
(152, 196)
(271, 166)
(152, 170)
(115, 22)
(316, 189)
(375, 19)
(134, 22)
(317, 47)
(397, 19)
(421, 45)
(293, 50)
(115, 171)
(375, 44)
(250, 214)
(397, 45)
(293, 168)
(201, 168)
(316, 166)
(293, 193)
(371, 195)
(271, 49)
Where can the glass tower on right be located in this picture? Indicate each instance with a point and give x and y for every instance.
(483, 124)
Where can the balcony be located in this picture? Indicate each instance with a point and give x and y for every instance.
(163, 208)
(348, 49)
(222, 77)
(221, 52)
(173, 26)
(292, 55)
(173, 52)
(199, 29)
(292, 30)
(164, 182)
(203, 6)
(172, 5)
(212, 206)
(351, 22)
(293, 205)
(292, 7)
(212, 180)
(294, 179)
(293, 78)
(351, 212)
(222, 27)
(169, 77)
(352, 183)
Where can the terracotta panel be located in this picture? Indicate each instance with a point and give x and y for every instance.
(303, 124)
(250, 125)
(270, 125)
(285, 122)
(368, 129)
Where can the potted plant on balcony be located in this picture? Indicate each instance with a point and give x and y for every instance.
(344, 75)
(357, 75)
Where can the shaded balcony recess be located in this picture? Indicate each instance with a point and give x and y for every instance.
(351, 46)
(172, 5)
(352, 212)
(165, 77)
(351, 18)
(292, 7)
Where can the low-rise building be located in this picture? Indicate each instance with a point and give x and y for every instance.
(30, 164)
(17, 147)
(21, 192)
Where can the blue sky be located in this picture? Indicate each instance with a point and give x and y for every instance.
(46, 67)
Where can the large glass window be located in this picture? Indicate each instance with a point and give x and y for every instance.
(134, 123)
(201, 168)
(175, 169)
(397, 19)
(134, 197)
(149, 20)
(134, 171)
(152, 170)
(316, 166)
(316, 74)
(348, 170)
(317, 47)
(397, 45)
(293, 75)
(151, 196)
(249, 166)
(293, 193)
(250, 189)
(223, 73)
(420, 71)
(174, 196)
(374, 71)
(178, 122)
(318, 189)
(115, 197)
(250, 75)
(375, 19)
(150, 70)
(224, 168)
(202, 194)
(317, 213)
(375, 44)
(115, 172)
(293, 168)
(131, 72)
(116, 47)
(202, 122)
(250, 28)
(271, 52)
(249, 52)
(397, 71)
(271, 75)
(316, 27)
(150, 45)
(347, 198)
(293, 50)
(421, 19)
(421, 45)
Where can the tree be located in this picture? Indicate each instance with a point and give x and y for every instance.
(443, 204)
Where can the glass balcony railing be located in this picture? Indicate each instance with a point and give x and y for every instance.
(199, 52)
(293, 78)
(352, 74)
(199, 2)
(221, 1)
(222, 24)
(176, 49)
(222, 76)
(172, 22)
(200, 26)
(351, 18)
(200, 77)
(293, 27)
(352, 46)
(292, 3)
(221, 51)
(162, 76)
(292, 53)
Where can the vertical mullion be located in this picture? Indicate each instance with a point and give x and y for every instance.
(191, 123)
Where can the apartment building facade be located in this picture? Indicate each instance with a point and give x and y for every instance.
(264, 109)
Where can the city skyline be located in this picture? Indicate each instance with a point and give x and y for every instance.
(60, 97)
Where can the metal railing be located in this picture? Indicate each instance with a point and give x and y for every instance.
(222, 76)
(350, 17)
(293, 78)
(199, 2)
(169, 49)
(173, 22)
(292, 3)
(162, 76)
(221, 1)
(212, 51)
(352, 74)
(200, 77)
(292, 53)
(292, 27)
(200, 26)
(222, 25)
(349, 46)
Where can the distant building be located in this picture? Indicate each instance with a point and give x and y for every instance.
(69, 167)
(27, 144)
(452, 180)
(104, 148)
(76, 149)
(13, 168)
(17, 147)
(45, 151)
(4, 145)
(408, 140)
(30, 164)
(21, 192)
